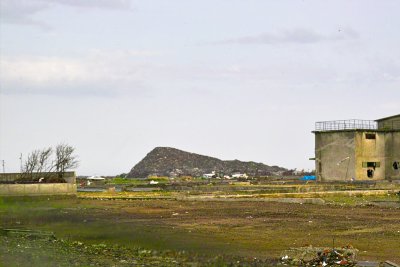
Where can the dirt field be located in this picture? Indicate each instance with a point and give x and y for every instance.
(209, 229)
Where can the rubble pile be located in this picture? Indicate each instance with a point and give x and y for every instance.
(314, 256)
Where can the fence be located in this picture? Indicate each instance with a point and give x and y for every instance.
(346, 125)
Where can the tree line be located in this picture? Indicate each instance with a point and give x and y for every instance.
(49, 163)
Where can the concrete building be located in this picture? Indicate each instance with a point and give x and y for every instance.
(347, 150)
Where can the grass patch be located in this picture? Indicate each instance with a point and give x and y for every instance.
(361, 200)
(212, 229)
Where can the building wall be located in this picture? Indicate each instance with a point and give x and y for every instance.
(370, 150)
(335, 155)
(392, 154)
(392, 123)
(344, 155)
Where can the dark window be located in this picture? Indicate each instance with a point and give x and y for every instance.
(396, 165)
(370, 136)
(371, 164)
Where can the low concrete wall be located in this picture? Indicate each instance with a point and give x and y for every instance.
(37, 189)
(69, 177)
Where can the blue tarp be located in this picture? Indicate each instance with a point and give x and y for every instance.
(308, 178)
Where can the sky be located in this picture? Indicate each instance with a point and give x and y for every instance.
(231, 79)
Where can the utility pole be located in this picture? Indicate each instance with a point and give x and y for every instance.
(4, 169)
(20, 160)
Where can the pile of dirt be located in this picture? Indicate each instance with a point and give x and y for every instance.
(167, 161)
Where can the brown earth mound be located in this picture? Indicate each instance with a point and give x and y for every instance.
(167, 161)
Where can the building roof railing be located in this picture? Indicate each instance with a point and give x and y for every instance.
(346, 125)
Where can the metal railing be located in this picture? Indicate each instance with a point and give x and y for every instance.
(346, 125)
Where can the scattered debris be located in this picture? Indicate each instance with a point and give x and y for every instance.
(316, 256)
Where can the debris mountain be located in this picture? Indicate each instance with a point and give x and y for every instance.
(168, 161)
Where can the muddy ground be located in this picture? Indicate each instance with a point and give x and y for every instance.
(252, 231)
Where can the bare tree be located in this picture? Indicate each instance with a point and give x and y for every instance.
(40, 163)
(30, 165)
(65, 159)
(44, 163)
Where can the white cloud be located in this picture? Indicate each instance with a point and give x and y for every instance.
(100, 73)
(116, 4)
(297, 36)
(122, 54)
(24, 11)
(43, 70)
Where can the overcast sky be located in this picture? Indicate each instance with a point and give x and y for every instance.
(232, 79)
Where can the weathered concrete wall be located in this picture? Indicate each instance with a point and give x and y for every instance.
(335, 155)
(69, 177)
(343, 155)
(37, 189)
(392, 154)
(8, 188)
(370, 150)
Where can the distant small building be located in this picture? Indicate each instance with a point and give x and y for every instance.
(347, 150)
(210, 175)
(94, 180)
(240, 175)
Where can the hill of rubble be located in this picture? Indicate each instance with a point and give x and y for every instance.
(172, 162)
